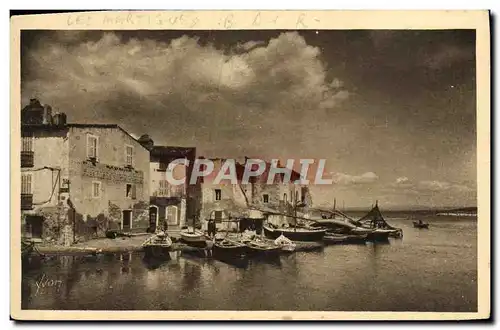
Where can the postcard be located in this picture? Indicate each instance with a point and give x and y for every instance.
(250, 165)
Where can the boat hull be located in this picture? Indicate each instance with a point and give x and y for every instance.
(156, 251)
(421, 225)
(196, 239)
(257, 251)
(344, 239)
(378, 236)
(299, 235)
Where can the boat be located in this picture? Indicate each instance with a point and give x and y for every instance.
(157, 246)
(193, 237)
(381, 229)
(419, 224)
(305, 234)
(285, 244)
(331, 238)
(229, 249)
(257, 247)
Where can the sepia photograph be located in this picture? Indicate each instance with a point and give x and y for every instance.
(250, 163)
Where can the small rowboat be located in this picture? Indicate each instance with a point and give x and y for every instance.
(157, 246)
(260, 248)
(344, 239)
(229, 249)
(285, 244)
(295, 234)
(193, 237)
(422, 225)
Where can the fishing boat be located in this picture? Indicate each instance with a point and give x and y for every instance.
(227, 248)
(193, 236)
(331, 238)
(157, 246)
(381, 230)
(295, 234)
(285, 244)
(420, 224)
(257, 247)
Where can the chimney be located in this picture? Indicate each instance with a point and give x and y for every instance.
(47, 115)
(146, 141)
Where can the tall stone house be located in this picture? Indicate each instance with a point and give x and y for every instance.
(225, 202)
(175, 205)
(79, 179)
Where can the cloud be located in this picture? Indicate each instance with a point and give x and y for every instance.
(406, 185)
(402, 179)
(441, 186)
(181, 91)
(346, 179)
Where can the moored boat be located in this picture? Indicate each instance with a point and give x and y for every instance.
(258, 247)
(295, 234)
(226, 248)
(378, 235)
(331, 238)
(193, 237)
(157, 246)
(381, 230)
(285, 244)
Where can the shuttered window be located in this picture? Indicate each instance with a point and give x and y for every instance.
(129, 155)
(92, 146)
(27, 144)
(163, 189)
(26, 184)
(96, 189)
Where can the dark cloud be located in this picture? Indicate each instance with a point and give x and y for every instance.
(394, 103)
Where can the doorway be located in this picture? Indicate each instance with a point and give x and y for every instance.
(127, 220)
(34, 226)
(153, 218)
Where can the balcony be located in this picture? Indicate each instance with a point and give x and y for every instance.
(27, 159)
(26, 201)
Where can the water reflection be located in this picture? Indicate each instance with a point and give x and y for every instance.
(405, 276)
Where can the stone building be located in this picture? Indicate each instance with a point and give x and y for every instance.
(226, 202)
(175, 205)
(78, 180)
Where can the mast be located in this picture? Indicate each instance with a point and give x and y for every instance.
(295, 210)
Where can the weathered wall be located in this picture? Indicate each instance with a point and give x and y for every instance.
(110, 171)
(157, 175)
(50, 167)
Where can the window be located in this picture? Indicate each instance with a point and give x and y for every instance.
(130, 191)
(296, 196)
(129, 155)
(218, 194)
(27, 144)
(96, 189)
(92, 146)
(163, 190)
(26, 184)
(285, 198)
(172, 213)
(218, 216)
(265, 197)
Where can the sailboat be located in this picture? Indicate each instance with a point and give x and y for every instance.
(297, 233)
(193, 236)
(381, 229)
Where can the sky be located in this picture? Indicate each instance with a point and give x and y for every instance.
(392, 112)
